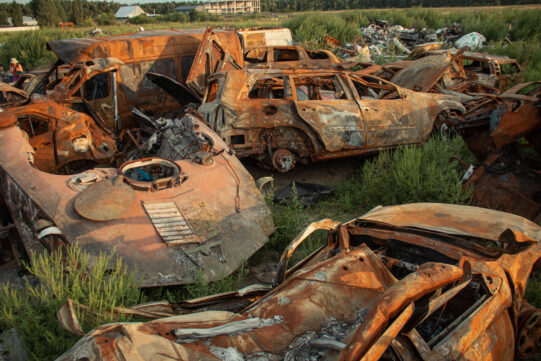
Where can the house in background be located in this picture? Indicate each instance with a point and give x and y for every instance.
(186, 9)
(126, 12)
(221, 7)
(27, 21)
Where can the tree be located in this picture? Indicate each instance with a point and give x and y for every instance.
(46, 12)
(4, 17)
(16, 14)
(77, 12)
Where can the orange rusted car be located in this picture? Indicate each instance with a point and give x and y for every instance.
(107, 77)
(171, 198)
(281, 117)
(457, 70)
(106, 80)
(504, 133)
(411, 282)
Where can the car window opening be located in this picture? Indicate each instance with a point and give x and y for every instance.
(286, 55)
(272, 88)
(96, 87)
(319, 88)
(317, 54)
(256, 56)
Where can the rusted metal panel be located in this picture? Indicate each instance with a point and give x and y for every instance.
(317, 115)
(364, 297)
(212, 57)
(11, 96)
(226, 213)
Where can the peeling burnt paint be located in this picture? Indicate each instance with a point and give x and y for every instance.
(363, 296)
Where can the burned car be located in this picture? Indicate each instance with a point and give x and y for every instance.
(455, 70)
(288, 57)
(281, 117)
(171, 199)
(504, 133)
(105, 81)
(496, 72)
(411, 282)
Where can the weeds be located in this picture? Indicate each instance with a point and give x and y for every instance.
(312, 27)
(101, 283)
(417, 173)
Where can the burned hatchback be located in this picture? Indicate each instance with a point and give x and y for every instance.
(284, 117)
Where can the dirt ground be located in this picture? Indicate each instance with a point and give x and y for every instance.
(326, 173)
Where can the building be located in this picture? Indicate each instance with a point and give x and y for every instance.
(27, 21)
(188, 8)
(222, 7)
(126, 12)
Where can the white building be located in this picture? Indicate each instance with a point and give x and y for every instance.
(126, 12)
(27, 21)
(222, 7)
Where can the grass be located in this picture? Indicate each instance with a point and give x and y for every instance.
(415, 173)
(101, 283)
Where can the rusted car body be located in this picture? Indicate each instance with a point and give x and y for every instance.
(457, 70)
(411, 282)
(107, 77)
(504, 133)
(288, 57)
(281, 117)
(179, 206)
(497, 72)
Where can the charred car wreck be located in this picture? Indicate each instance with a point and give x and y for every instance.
(178, 202)
(411, 282)
(504, 133)
(453, 70)
(284, 117)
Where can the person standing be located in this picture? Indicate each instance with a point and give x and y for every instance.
(15, 69)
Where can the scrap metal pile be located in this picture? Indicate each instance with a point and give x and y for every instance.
(107, 150)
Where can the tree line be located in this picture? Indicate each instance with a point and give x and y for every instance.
(304, 5)
(85, 12)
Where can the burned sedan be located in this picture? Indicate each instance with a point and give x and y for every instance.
(411, 282)
(171, 198)
(284, 117)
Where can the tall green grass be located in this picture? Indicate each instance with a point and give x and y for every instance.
(314, 27)
(415, 173)
(101, 283)
(30, 47)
